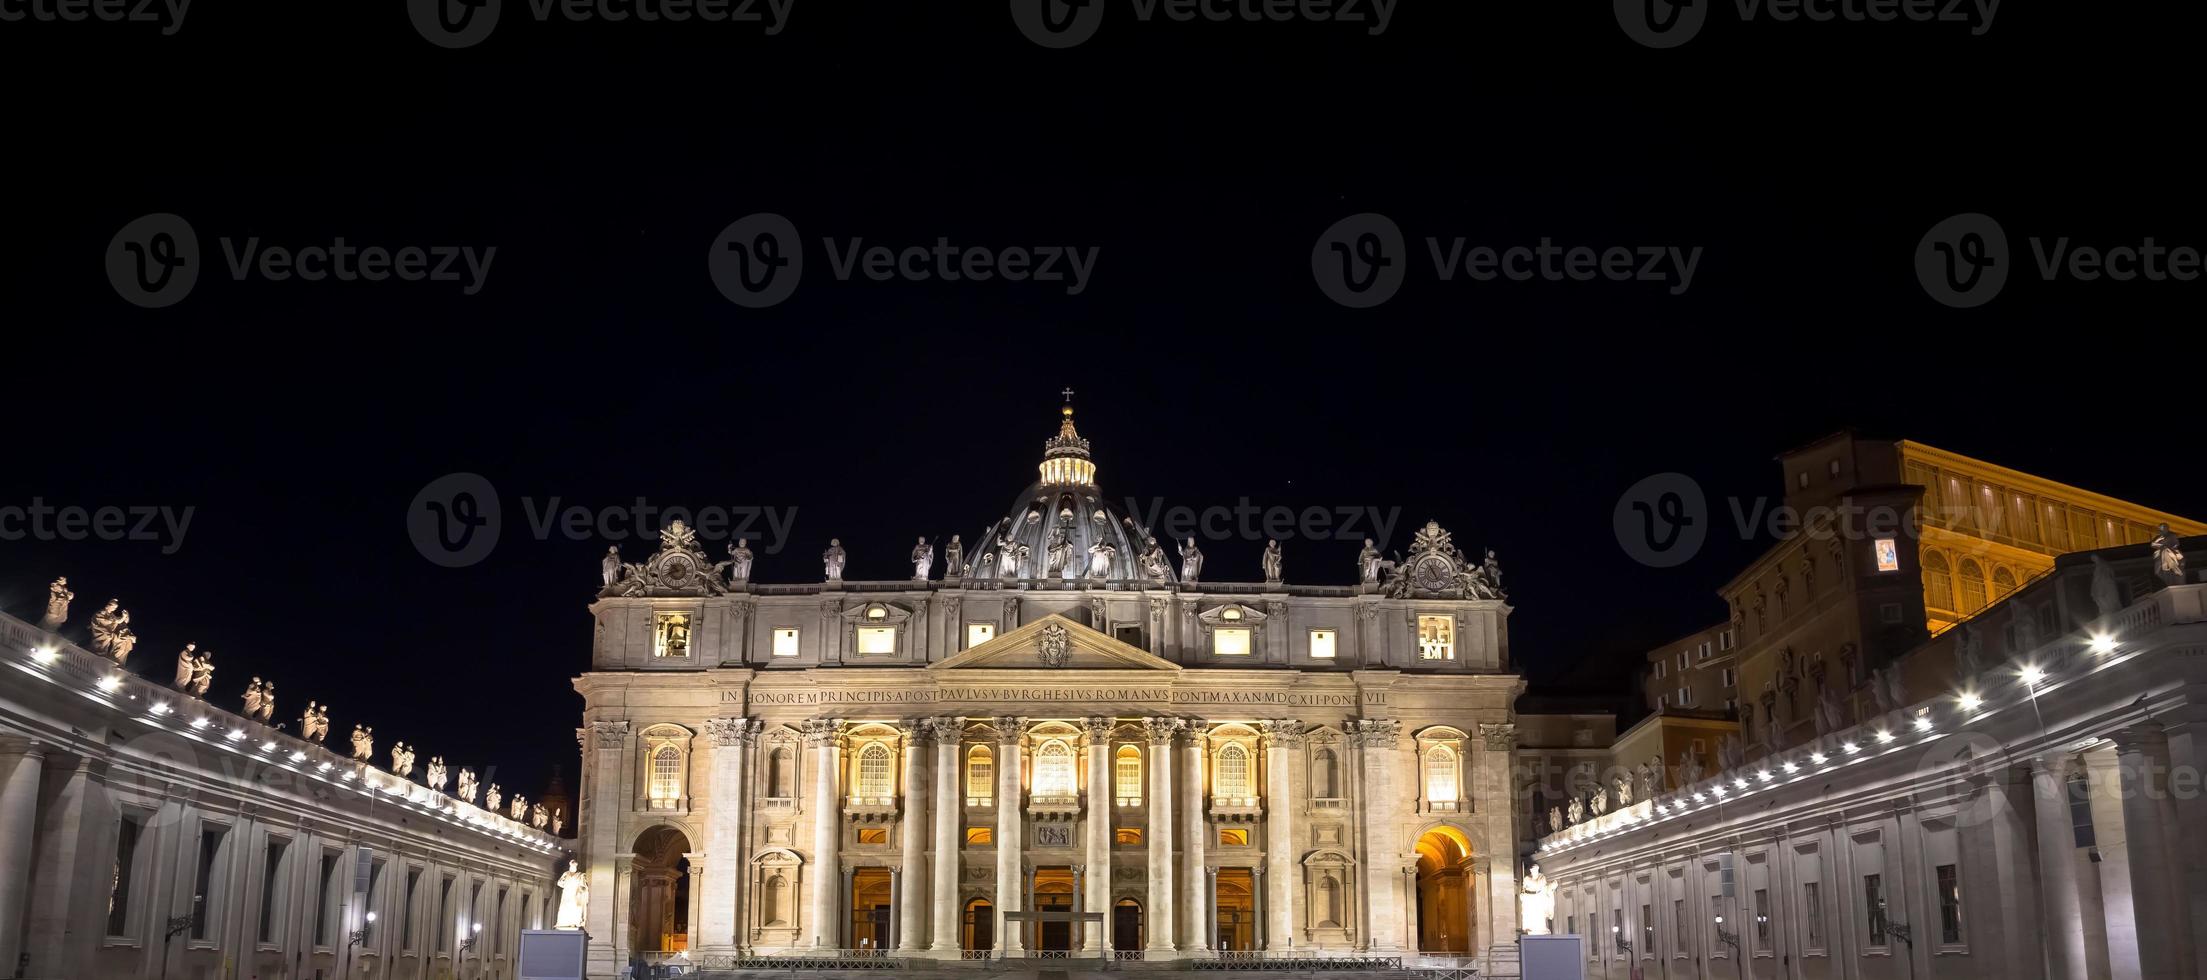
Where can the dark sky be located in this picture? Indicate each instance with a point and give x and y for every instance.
(599, 363)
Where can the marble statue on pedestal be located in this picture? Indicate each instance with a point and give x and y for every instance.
(539, 817)
(1689, 769)
(268, 704)
(1536, 904)
(1154, 566)
(1623, 785)
(1969, 653)
(609, 567)
(519, 808)
(436, 775)
(402, 761)
(1731, 755)
(363, 743)
(1831, 714)
(58, 597)
(1598, 802)
(1555, 819)
(1651, 778)
(1101, 556)
(466, 788)
(1576, 812)
(1369, 563)
(1491, 570)
(314, 726)
(2168, 556)
(253, 699)
(574, 898)
(2105, 596)
(184, 666)
(923, 557)
(559, 820)
(125, 641)
(1060, 551)
(107, 625)
(739, 561)
(1191, 564)
(492, 798)
(1272, 560)
(954, 558)
(834, 558)
(203, 673)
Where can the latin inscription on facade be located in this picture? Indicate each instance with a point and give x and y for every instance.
(1149, 695)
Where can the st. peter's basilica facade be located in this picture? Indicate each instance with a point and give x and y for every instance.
(1058, 742)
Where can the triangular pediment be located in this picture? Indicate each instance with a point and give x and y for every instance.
(1085, 649)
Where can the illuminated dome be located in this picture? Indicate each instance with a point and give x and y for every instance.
(1062, 524)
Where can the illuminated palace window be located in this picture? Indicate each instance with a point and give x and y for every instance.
(1233, 837)
(1440, 775)
(979, 633)
(1321, 644)
(1436, 637)
(785, 641)
(1126, 770)
(671, 638)
(980, 836)
(1232, 780)
(1230, 642)
(1128, 836)
(980, 776)
(1054, 771)
(666, 778)
(875, 780)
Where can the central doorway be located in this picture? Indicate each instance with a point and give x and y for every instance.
(1444, 913)
(1126, 925)
(870, 902)
(1237, 909)
(979, 932)
(1053, 893)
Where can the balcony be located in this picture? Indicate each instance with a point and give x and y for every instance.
(1236, 809)
(1044, 808)
(870, 809)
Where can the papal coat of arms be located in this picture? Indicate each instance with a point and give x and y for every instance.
(1055, 646)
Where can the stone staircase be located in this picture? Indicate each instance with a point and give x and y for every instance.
(1502, 961)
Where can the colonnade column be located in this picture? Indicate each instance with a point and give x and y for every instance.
(716, 900)
(1010, 853)
(948, 812)
(2165, 941)
(1382, 857)
(1194, 829)
(1157, 917)
(607, 749)
(20, 765)
(913, 884)
(1281, 740)
(822, 735)
(2060, 907)
(1102, 795)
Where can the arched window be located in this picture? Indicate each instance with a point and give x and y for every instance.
(780, 774)
(1233, 773)
(980, 776)
(1938, 582)
(666, 778)
(1054, 771)
(1325, 775)
(875, 778)
(1440, 775)
(2003, 582)
(1127, 773)
(1973, 586)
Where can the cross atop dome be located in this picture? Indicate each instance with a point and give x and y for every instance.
(1065, 460)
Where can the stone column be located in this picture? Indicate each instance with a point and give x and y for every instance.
(20, 765)
(698, 864)
(2164, 950)
(1206, 901)
(2062, 912)
(912, 893)
(606, 749)
(1010, 854)
(716, 898)
(949, 811)
(60, 887)
(1281, 740)
(1157, 917)
(1095, 892)
(1195, 828)
(822, 736)
(1381, 806)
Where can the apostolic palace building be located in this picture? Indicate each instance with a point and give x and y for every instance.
(1055, 739)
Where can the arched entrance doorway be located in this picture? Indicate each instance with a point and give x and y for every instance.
(1053, 893)
(1445, 893)
(978, 932)
(1126, 925)
(659, 892)
(1237, 909)
(870, 904)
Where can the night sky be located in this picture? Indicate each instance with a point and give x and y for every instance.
(599, 363)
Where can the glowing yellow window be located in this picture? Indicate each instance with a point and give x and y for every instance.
(1131, 836)
(980, 836)
(979, 633)
(1321, 644)
(873, 835)
(1233, 838)
(1437, 637)
(672, 637)
(785, 642)
(980, 776)
(1230, 642)
(877, 639)
(1126, 770)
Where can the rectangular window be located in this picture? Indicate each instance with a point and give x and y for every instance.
(126, 858)
(1724, 640)
(325, 903)
(1679, 925)
(2080, 811)
(272, 863)
(1762, 920)
(980, 777)
(1812, 914)
(1617, 930)
(877, 639)
(1436, 637)
(444, 918)
(1230, 642)
(979, 633)
(1233, 838)
(1685, 697)
(1888, 555)
(203, 883)
(671, 637)
(1729, 677)
(1704, 650)
(1321, 644)
(373, 897)
(980, 836)
(1126, 776)
(1647, 932)
(1570, 925)
(406, 912)
(873, 835)
(785, 641)
(1684, 663)
(1950, 905)
(1873, 901)
(1127, 836)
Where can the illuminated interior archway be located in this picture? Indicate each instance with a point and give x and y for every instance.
(1446, 910)
(659, 893)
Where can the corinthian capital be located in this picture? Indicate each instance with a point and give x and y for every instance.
(729, 732)
(1098, 729)
(1282, 731)
(1379, 733)
(1008, 728)
(610, 734)
(1161, 730)
(1500, 738)
(821, 731)
(946, 729)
